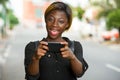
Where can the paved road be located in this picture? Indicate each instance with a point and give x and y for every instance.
(103, 61)
(13, 67)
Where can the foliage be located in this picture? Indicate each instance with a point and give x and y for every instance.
(113, 19)
(0, 14)
(77, 11)
(80, 12)
(74, 11)
(3, 3)
(117, 3)
(105, 12)
(106, 9)
(8, 14)
(12, 19)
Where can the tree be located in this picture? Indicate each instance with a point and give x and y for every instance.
(117, 3)
(3, 3)
(13, 20)
(80, 12)
(113, 20)
(3, 15)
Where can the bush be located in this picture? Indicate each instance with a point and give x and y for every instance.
(13, 20)
(80, 12)
(113, 19)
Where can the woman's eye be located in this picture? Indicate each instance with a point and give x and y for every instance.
(61, 22)
(50, 19)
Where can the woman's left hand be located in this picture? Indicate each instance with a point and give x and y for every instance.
(66, 51)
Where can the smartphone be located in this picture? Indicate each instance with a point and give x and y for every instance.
(55, 46)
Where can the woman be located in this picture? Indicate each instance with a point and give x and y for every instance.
(68, 64)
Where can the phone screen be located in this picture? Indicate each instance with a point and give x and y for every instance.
(54, 46)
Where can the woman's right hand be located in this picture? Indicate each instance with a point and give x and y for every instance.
(41, 50)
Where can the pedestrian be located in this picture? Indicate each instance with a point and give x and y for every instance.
(42, 62)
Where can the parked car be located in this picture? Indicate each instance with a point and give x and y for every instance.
(111, 35)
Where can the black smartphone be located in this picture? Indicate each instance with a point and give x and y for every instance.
(55, 46)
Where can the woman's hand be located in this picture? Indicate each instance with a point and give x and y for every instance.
(76, 65)
(41, 50)
(66, 51)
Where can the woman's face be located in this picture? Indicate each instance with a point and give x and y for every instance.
(56, 23)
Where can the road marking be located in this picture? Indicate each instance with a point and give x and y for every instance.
(110, 66)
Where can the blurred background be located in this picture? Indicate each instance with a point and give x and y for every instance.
(96, 24)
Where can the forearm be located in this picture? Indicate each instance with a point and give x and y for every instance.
(33, 67)
(76, 66)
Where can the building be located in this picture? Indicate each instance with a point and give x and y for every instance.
(33, 11)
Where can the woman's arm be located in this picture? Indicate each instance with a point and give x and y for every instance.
(76, 66)
(32, 67)
(74, 57)
(79, 65)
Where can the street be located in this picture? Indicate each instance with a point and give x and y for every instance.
(103, 61)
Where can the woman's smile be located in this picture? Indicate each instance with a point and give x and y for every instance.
(54, 32)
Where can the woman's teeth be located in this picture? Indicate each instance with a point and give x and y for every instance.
(54, 32)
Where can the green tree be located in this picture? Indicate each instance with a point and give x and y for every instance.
(117, 3)
(80, 12)
(113, 20)
(4, 16)
(3, 3)
(77, 11)
(13, 20)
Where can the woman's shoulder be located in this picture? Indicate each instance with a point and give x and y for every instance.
(31, 44)
(75, 43)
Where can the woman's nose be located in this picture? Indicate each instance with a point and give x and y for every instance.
(55, 23)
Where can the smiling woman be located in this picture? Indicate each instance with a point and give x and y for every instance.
(43, 62)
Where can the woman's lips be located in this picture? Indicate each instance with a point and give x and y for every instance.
(54, 32)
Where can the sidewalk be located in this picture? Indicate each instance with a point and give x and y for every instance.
(3, 46)
(4, 43)
(110, 44)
